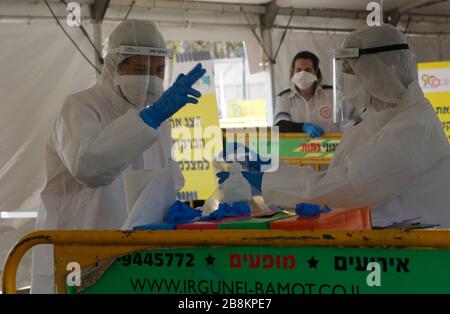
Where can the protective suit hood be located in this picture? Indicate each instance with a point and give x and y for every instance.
(131, 32)
(385, 75)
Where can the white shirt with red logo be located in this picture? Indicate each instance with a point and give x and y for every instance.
(291, 106)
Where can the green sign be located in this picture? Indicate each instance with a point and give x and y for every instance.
(300, 147)
(274, 270)
(308, 147)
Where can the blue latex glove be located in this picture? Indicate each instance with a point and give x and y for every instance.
(308, 210)
(180, 213)
(252, 162)
(174, 98)
(254, 178)
(227, 210)
(313, 130)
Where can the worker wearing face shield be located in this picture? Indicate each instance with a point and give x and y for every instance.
(307, 105)
(396, 160)
(116, 126)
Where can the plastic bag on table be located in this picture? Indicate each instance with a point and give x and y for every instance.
(257, 203)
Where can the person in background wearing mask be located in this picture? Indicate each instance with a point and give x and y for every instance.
(395, 161)
(114, 127)
(307, 105)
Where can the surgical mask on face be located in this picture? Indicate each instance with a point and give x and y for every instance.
(141, 90)
(303, 79)
(354, 94)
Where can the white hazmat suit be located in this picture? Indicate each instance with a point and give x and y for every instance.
(97, 138)
(396, 161)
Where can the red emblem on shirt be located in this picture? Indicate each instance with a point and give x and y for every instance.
(325, 112)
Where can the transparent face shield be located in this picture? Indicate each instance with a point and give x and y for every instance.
(346, 86)
(350, 98)
(142, 74)
(345, 82)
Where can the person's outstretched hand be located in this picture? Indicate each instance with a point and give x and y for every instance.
(174, 98)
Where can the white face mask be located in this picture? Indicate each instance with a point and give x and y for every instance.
(141, 90)
(354, 94)
(303, 79)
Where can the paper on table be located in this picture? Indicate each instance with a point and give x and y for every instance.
(407, 224)
(149, 195)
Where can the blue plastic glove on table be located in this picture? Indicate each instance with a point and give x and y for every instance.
(313, 130)
(180, 213)
(308, 210)
(227, 210)
(174, 98)
(254, 178)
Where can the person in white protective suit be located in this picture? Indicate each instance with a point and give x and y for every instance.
(106, 131)
(396, 161)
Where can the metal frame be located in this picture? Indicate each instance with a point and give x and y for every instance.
(98, 10)
(93, 247)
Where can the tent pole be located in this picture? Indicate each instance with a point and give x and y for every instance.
(97, 29)
(267, 42)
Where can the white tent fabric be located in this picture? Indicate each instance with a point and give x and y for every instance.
(39, 67)
(206, 27)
